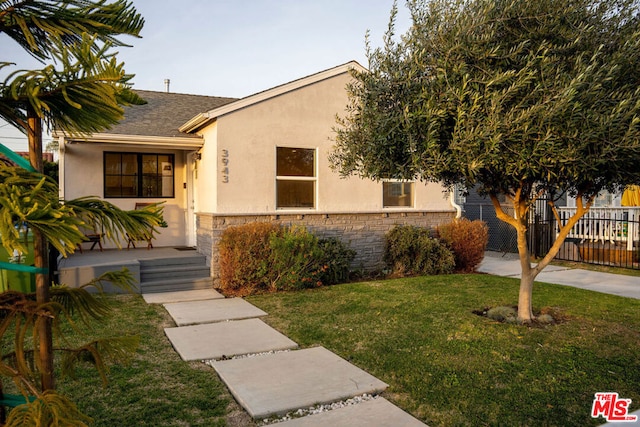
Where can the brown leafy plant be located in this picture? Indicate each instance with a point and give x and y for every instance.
(70, 309)
(468, 241)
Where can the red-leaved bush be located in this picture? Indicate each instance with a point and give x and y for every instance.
(468, 241)
(244, 257)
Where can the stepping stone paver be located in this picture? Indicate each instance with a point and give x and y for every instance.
(215, 340)
(378, 412)
(277, 383)
(181, 296)
(210, 311)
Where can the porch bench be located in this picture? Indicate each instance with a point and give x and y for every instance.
(131, 242)
(148, 237)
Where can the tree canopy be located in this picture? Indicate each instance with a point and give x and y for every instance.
(515, 98)
(81, 87)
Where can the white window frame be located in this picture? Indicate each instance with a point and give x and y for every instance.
(412, 194)
(313, 179)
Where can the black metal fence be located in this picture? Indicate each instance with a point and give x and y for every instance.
(603, 236)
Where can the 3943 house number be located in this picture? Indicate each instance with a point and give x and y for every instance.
(225, 166)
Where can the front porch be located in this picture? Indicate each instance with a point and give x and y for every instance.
(161, 269)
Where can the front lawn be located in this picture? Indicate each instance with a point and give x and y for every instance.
(448, 366)
(157, 388)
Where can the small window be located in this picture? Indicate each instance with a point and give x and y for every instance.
(138, 175)
(604, 199)
(397, 194)
(295, 177)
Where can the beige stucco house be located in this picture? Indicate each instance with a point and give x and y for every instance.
(217, 162)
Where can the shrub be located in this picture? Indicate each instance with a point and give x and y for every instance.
(295, 260)
(468, 241)
(244, 258)
(264, 257)
(411, 250)
(336, 260)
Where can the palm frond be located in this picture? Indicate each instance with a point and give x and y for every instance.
(116, 223)
(49, 409)
(31, 198)
(123, 279)
(86, 305)
(86, 95)
(37, 25)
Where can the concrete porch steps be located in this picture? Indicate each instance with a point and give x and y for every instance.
(177, 271)
(172, 274)
(176, 285)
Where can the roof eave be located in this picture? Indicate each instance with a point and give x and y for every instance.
(195, 123)
(193, 142)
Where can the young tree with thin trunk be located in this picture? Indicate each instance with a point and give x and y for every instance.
(80, 89)
(521, 99)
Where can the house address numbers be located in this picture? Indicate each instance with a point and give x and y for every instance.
(224, 157)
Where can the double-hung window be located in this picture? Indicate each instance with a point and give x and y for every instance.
(396, 194)
(295, 178)
(139, 175)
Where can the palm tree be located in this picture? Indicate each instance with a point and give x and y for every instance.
(80, 89)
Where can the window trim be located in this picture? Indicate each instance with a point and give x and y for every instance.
(139, 175)
(400, 181)
(301, 178)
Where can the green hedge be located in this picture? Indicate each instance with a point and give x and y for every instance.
(411, 250)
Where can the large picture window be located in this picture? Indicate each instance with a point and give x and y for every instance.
(296, 177)
(138, 175)
(397, 194)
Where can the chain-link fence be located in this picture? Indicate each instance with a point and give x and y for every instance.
(502, 236)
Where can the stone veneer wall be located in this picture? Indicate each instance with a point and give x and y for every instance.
(362, 232)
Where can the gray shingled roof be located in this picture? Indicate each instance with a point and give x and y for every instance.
(164, 113)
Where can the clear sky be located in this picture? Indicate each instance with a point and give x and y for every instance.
(239, 47)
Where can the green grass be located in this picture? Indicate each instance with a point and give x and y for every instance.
(448, 366)
(157, 388)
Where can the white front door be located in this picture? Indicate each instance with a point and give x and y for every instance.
(192, 176)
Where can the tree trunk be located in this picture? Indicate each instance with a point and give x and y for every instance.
(41, 260)
(525, 311)
(520, 222)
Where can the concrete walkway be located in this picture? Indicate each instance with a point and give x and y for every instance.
(270, 380)
(508, 265)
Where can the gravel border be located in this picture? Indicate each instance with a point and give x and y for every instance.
(317, 409)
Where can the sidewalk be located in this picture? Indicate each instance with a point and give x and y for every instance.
(508, 265)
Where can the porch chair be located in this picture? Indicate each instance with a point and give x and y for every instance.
(148, 237)
(92, 236)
